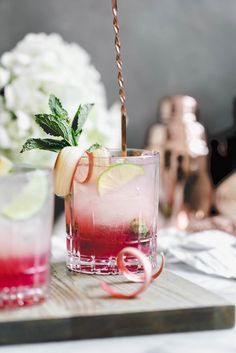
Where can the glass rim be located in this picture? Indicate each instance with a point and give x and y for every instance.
(20, 169)
(137, 153)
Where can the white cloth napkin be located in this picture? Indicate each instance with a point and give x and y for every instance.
(212, 251)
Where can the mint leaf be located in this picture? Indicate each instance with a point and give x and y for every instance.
(44, 144)
(55, 127)
(56, 107)
(94, 147)
(81, 117)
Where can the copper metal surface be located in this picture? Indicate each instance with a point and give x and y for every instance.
(186, 190)
(120, 78)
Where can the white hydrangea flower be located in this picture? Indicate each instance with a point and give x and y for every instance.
(4, 77)
(4, 138)
(41, 65)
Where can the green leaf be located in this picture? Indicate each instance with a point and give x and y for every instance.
(55, 127)
(56, 107)
(94, 147)
(75, 139)
(44, 144)
(81, 117)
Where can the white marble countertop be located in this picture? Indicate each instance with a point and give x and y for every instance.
(200, 342)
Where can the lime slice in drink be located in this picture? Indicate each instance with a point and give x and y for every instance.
(29, 200)
(117, 175)
(5, 165)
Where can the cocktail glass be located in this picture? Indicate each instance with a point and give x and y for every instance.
(26, 215)
(101, 223)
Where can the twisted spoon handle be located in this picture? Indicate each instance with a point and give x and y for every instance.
(120, 78)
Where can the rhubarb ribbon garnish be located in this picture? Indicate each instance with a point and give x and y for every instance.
(145, 278)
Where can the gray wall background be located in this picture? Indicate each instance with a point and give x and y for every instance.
(169, 47)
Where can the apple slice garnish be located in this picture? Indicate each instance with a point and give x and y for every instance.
(145, 279)
(101, 159)
(65, 167)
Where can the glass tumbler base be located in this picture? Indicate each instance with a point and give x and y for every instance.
(102, 266)
(22, 296)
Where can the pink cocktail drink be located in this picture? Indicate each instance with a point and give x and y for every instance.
(26, 213)
(21, 271)
(25, 274)
(116, 208)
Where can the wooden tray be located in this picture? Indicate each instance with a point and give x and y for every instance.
(78, 308)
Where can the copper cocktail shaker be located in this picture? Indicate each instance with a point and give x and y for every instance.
(186, 190)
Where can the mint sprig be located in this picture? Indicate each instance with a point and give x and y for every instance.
(94, 147)
(44, 144)
(55, 126)
(56, 107)
(81, 117)
(59, 125)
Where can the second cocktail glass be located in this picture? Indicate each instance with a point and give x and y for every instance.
(116, 208)
(26, 218)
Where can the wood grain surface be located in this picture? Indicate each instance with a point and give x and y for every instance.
(78, 308)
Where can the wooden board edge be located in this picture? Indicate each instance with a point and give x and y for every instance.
(117, 325)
